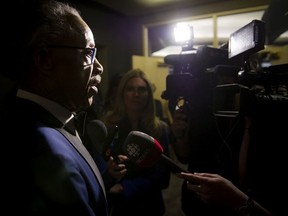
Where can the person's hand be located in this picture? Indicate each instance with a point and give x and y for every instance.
(179, 123)
(214, 189)
(116, 167)
(116, 189)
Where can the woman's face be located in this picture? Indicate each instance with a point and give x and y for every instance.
(135, 95)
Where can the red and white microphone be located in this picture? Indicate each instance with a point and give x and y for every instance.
(146, 151)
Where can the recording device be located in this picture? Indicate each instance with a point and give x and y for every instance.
(146, 151)
(192, 77)
(241, 97)
(97, 131)
(221, 80)
(104, 139)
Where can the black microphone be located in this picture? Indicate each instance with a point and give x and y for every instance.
(96, 129)
(97, 133)
(146, 151)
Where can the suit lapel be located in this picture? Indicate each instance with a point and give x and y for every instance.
(40, 114)
(76, 142)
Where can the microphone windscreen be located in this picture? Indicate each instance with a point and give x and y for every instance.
(146, 151)
(142, 149)
(96, 131)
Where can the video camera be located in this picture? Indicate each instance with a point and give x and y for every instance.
(192, 77)
(222, 79)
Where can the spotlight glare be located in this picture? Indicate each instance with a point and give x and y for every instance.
(182, 33)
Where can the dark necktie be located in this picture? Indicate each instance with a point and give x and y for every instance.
(70, 127)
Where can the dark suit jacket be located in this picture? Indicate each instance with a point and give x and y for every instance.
(42, 172)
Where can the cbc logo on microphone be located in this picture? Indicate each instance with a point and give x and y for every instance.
(133, 150)
(136, 152)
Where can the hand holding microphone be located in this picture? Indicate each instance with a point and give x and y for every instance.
(139, 147)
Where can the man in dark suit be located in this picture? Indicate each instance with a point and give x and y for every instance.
(51, 172)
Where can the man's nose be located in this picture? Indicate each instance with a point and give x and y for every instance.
(98, 68)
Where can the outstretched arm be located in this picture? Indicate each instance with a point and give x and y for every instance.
(215, 189)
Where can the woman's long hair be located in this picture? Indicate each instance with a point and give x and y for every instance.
(148, 119)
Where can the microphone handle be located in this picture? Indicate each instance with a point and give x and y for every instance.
(173, 166)
(113, 143)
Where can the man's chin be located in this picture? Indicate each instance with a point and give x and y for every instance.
(85, 104)
(90, 101)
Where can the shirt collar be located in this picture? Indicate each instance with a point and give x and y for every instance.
(60, 112)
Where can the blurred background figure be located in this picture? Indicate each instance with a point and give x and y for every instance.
(140, 191)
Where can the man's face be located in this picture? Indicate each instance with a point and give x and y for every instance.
(76, 75)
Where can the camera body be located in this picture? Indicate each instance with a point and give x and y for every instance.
(222, 79)
(192, 76)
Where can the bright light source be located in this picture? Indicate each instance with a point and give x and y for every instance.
(183, 33)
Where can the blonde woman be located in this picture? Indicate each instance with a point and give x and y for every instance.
(140, 191)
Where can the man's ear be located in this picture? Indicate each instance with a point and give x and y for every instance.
(42, 60)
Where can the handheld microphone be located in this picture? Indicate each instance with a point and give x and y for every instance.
(97, 133)
(146, 151)
(96, 129)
